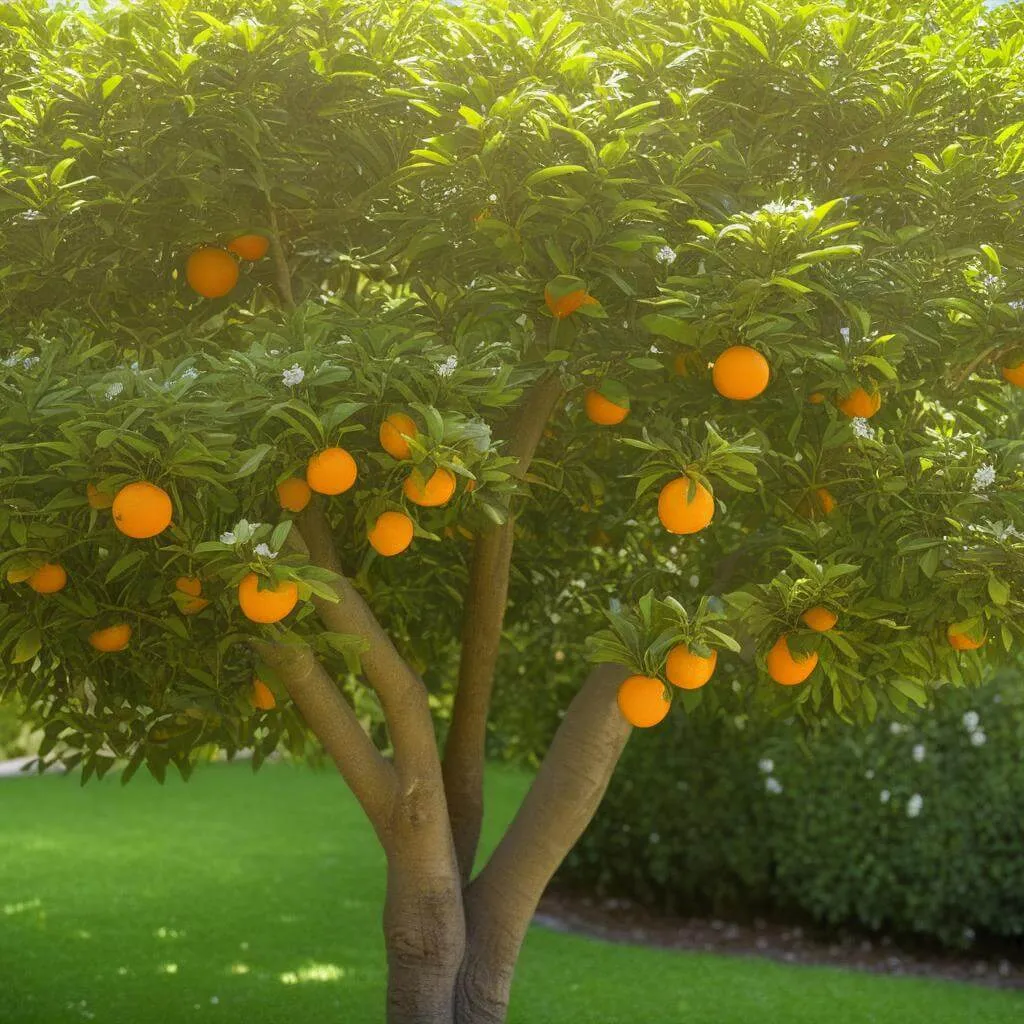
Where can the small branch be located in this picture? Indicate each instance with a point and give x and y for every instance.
(281, 272)
(565, 794)
(484, 614)
(370, 777)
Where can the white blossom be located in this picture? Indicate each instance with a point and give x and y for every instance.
(227, 538)
(447, 368)
(10, 362)
(114, 390)
(914, 805)
(971, 720)
(262, 549)
(492, 198)
(1016, 304)
(293, 376)
(984, 477)
(897, 729)
(31, 215)
(190, 374)
(134, 366)
(694, 580)
(978, 738)
(862, 428)
(845, 332)
(918, 752)
(274, 352)
(884, 796)
(990, 281)
(665, 255)
(766, 765)
(772, 785)
(29, 361)
(343, 339)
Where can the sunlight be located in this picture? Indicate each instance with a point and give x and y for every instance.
(313, 972)
(168, 968)
(20, 908)
(239, 968)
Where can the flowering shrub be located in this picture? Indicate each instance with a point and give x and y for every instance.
(910, 827)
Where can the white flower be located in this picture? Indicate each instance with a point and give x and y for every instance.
(447, 368)
(884, 796)
(262, 549)
(845, 332)
(134, 367)
(190, 374)
(984, 477)
(914, 805)
(772, 784)
(971, 720)
(29, 362)
(766, 765)
(654, 350)
(665, 255)
(870, 773)
(918, 752)
(1016, 304)
(114, 390)
(10, 362)
(227, 538)
(897, 729)
(990, 281)
(978, 738)
(862, 428)
(293, 376)
(31, 215)
(493, 197)
(694, 580)
(343, 339)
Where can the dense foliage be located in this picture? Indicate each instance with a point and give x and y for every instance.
(837, 186)
(914, 828)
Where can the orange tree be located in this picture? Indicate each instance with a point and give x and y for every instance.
(331, 329)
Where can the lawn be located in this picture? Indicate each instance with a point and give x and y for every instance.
(257, 898)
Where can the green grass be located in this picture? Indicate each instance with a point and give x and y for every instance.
(143, 905)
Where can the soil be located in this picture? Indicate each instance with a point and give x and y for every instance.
(1000, 965)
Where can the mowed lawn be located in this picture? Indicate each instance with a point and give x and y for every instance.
(256, 898)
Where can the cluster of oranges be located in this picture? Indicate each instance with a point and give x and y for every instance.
(213, 272)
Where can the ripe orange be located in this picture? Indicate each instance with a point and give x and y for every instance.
(858, 404)
(249, 247)
(391, 534)
(784, 668)
(642, 701)
(436, 491)
(679, 515)
(293, 494)
(740, 372)
(602, 410)
(20, 575)
(819, 618)
(817, 502)
(963, 641)
(211, 272)
(262, 697)
(193, 586)
(816, 398)
(1015, 374)
(113, 638)
(332, 471)
(142, 510)
(269, 605)
(688, 363)
(97, 498)
(391, 431)
(48, 578)
(568, 304)
(689, 671)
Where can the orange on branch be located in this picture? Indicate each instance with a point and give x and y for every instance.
(261, 696)
(97, 499)
(431, 493)
(816, 398)
(819, 618)
(113, 638)
(963, 641)
(687, 363)
(48, 578)
(740, 372)
(689, 671)
(391, 431)
(211, 272)
(332, 471)
(142, 510)
(784, 668)
(293, 494)
(1014, 374)
(681, 514)
(858, 404)
(271, 604)
(249, 247)
(603, 411)
(191, 585)
(642, 701)
(566, 305)
(391, 534)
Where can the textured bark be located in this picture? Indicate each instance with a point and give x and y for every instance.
(481, 639)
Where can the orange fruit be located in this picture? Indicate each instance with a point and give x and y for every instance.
(191, 585)
(602, 410)
(858, 404)
(819, 618)
(436, 491)
(391, 534)
(113, 638)
(249, 247)
(1015, 374)
(211, 272)
(271, 604)
(293, 494)
(816, 398)
(642, 701)
(20, 575)
(391, 431)
(689, 671)
(677, 513)
(963, 641)
(740, 372)
(262, 697)
(48, 578)
(97, 498)
(819, 501)
(568, 304)
(688, 363)
(332, 471)
(142, 510)
(784, 668)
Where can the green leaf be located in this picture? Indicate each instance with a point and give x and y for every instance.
(123, 564)
(546, 173)
(998, 591)
(27, 647)
(745, 34)
(60, 170)
(110, 84)
(253, 460)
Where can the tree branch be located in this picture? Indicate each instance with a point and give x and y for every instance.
(370, 777)
(481, 637)
(501, 900)
(281, 272)
(399, 689)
